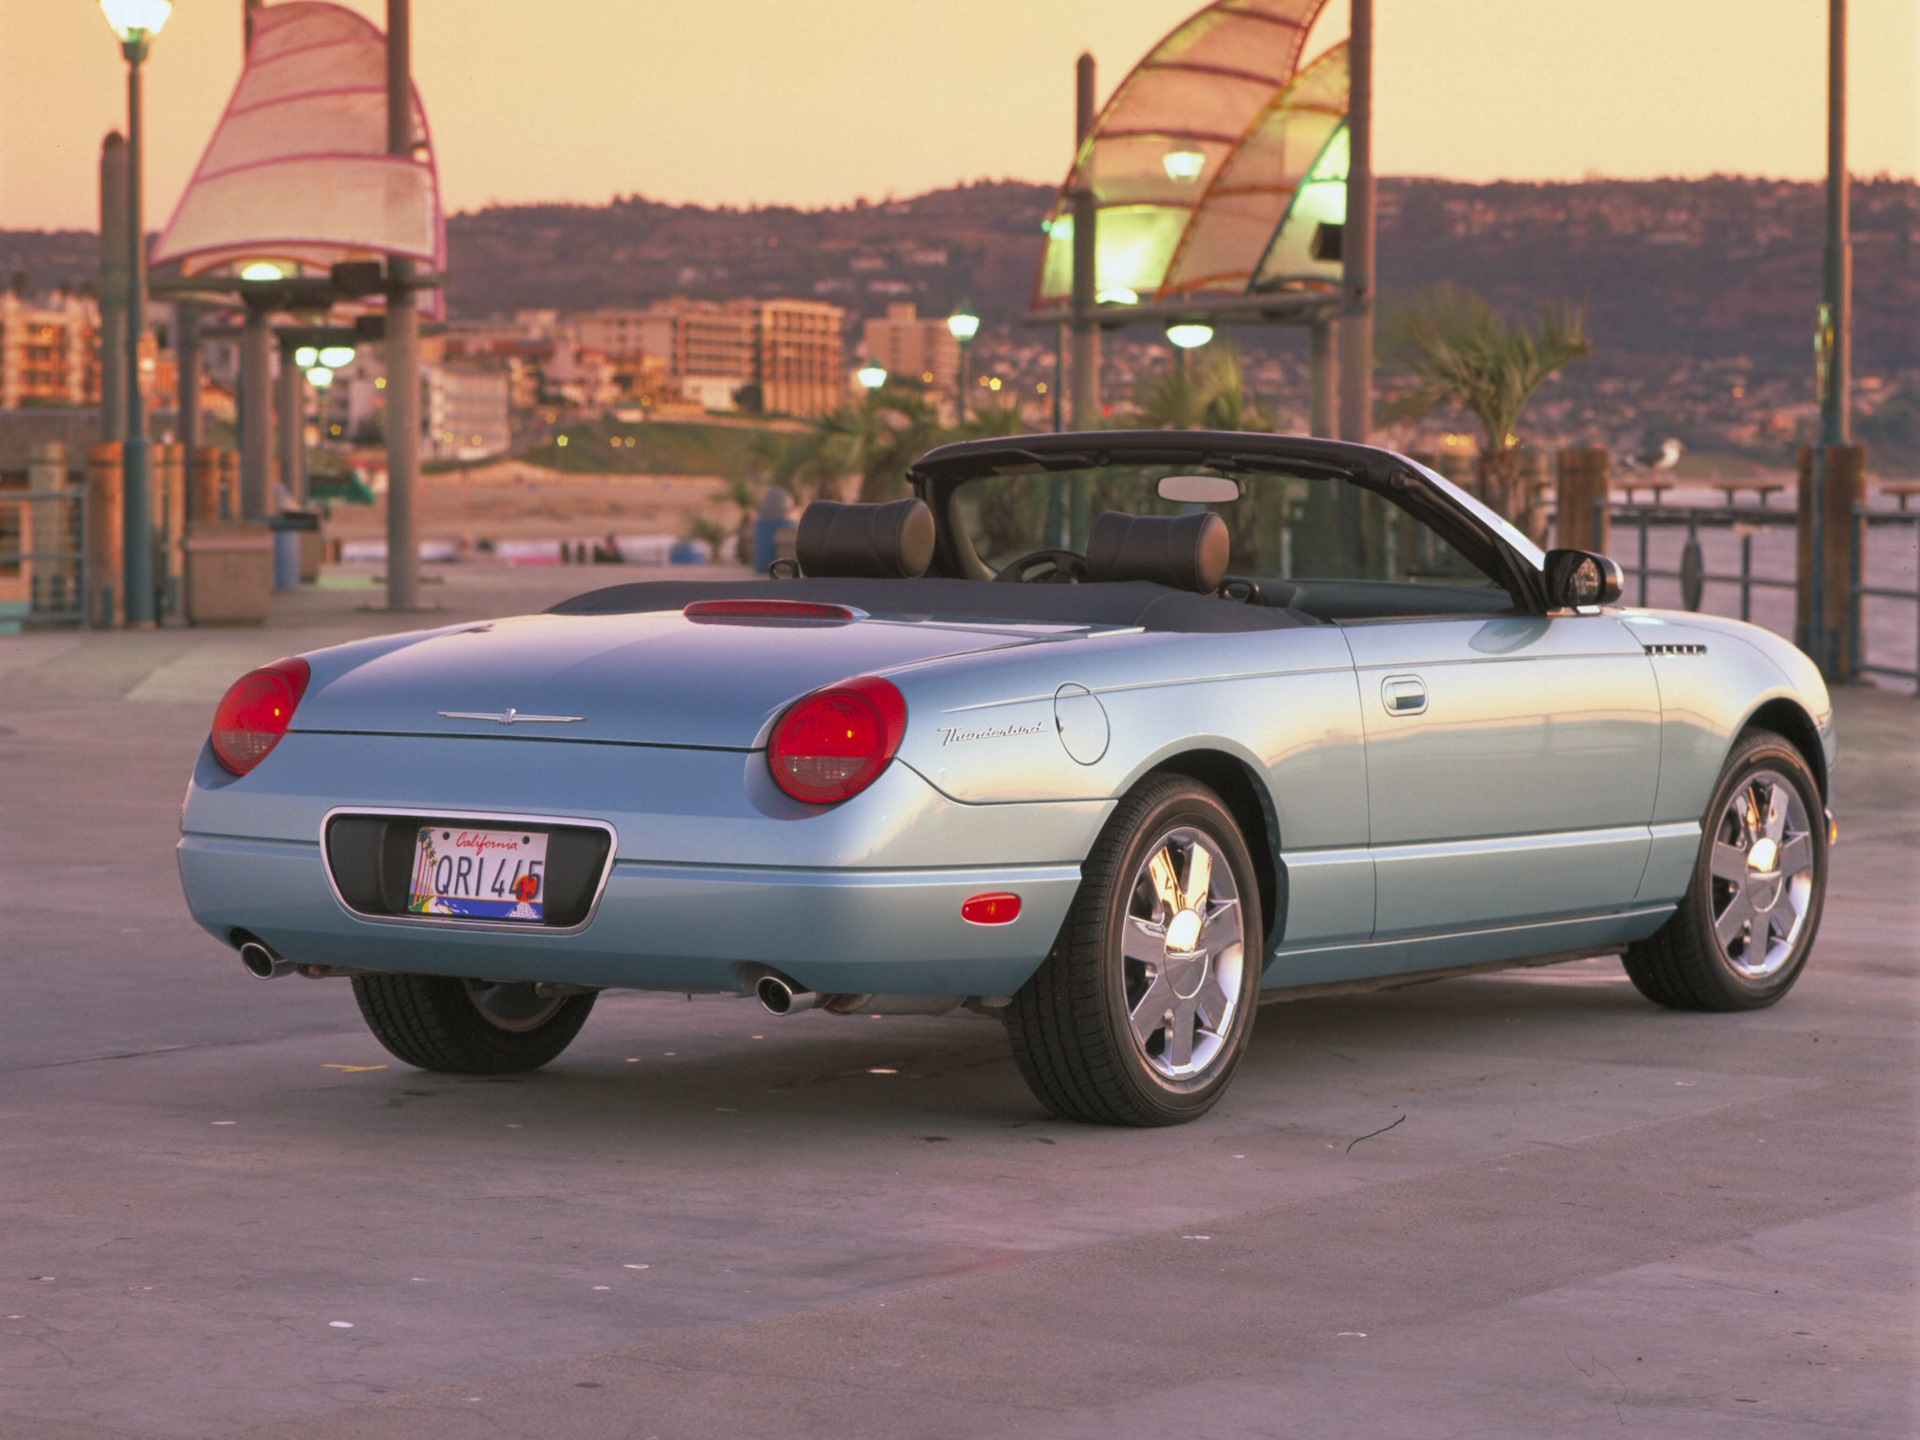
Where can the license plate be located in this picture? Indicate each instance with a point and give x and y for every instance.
(479, 874)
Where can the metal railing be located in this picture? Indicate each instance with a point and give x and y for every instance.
(1747, 523)
(43, 560)
(1866, 522)
(1693, 575)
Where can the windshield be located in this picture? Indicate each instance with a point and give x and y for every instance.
(1304, 530)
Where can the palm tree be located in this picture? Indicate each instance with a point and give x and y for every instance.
(875, 438)
(1204, 394)
(1461, 353)
(989, 421)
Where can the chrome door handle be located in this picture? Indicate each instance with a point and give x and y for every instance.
(1404, 694)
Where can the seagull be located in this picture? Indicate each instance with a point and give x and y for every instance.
(1659, 461)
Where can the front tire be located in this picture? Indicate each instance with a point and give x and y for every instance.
(469, 1027)
(1743, 930)
(1141, 1013)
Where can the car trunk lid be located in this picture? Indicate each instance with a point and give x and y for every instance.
(651, 679)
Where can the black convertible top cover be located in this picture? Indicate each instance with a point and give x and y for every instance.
(1133, 602)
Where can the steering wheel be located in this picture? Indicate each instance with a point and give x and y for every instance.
(1067, 567)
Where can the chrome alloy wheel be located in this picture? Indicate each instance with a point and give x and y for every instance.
(515, 1007)
(1762, 869)
(1182, 952)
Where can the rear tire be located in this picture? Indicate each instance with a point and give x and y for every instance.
(1141, 1013)
(1743, 930)
(468, 1027)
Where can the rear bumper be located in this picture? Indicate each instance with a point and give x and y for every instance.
(661, 927)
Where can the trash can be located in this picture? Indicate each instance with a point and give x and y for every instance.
(690, 552)
(297, 546)
(229, 572)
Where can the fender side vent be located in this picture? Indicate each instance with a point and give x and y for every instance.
(1676, 649)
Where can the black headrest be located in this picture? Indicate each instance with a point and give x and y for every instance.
(892, 541)
(1186, 552)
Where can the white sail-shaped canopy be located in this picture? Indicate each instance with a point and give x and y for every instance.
(297, 171)
(1254, 227)
(1200, 156)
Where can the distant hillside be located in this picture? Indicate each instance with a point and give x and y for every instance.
(1703, 269)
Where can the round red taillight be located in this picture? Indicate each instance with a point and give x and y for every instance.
(834, 743)
(256, 712)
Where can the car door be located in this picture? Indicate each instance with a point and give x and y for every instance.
(1511, 766)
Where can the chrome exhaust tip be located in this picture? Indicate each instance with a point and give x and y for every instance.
(778, 996)
(262, 963)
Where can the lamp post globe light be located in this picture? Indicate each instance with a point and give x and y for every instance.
(872, 375)
(963, 325)
(136, 22)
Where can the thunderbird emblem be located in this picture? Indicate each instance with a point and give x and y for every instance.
(510, 716)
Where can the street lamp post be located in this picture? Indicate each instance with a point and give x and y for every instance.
(871, 375)
(963, 325)
(136, 22)
(1833, 349)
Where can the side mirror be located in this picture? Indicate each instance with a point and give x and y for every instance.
(1579, 578)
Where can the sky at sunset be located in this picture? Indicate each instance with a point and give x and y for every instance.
(819, 102)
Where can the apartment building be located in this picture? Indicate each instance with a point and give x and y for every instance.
(916, 349)
(712, 351)
(800, 356)
(49, 350)
(464, 410)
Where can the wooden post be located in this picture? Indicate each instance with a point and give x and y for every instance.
(1582, 521)
(50, 577)
(170, 483)
(106, 579)
(1833, 643)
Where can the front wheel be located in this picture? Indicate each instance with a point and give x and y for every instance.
(1142, 1011)
(470, 1027)
(1743, 930)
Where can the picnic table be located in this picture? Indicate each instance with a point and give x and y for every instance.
(1762, 489)
(1901, 490)
(1658, 487)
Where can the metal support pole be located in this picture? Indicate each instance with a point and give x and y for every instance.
(137, 457)
(1746, 576)
(1833, 338)
(1836, 425)
(256, 409)
(189, 428)
(960, 391)
(1086, 335)
(293, 429)
(1060, 341)
(114, 248)
(1643, 558)
(1323, 361)
(403, 342)
(1356, 241)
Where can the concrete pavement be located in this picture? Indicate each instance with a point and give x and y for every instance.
(224, 1210)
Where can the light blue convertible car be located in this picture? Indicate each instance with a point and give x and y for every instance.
(1110, 735)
